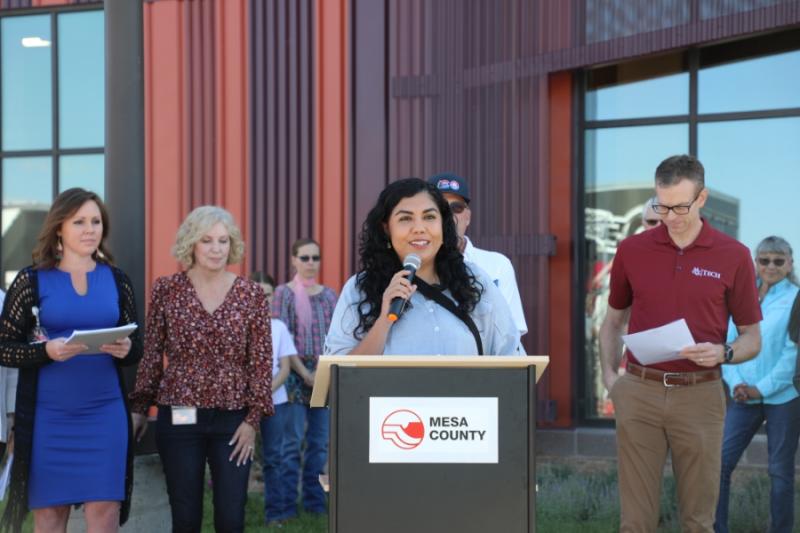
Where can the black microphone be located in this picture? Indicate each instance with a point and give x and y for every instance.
(411, 263)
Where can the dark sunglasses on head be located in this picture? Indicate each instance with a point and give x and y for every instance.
(307, 258)
(765, 261)
(458, 207)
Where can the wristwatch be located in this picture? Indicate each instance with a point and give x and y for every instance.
(728, 353)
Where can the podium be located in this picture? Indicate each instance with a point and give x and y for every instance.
(431, 443)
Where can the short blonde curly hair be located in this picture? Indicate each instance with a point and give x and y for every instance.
(196, 224)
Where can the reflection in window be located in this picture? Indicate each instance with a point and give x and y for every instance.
(81, 78)
(771, 82)
(620, 169)
(756, 162)
(84, 171)
(27, 194)
(26, 92)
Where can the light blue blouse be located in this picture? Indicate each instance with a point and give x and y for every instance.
(426, 328)
(772, 370)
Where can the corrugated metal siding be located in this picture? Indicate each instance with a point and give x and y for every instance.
(282, 130)
(450, 108)
(196, 112)
(467, 89)
(14, 4)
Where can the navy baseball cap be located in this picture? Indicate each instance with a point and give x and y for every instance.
(448, 182)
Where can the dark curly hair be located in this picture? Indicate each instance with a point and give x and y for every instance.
(378, 262)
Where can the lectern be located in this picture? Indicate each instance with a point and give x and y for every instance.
(431, 443)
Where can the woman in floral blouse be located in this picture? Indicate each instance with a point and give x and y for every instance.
(213, 329)
(306, 308)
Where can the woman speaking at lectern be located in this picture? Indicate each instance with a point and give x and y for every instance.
(449, 307)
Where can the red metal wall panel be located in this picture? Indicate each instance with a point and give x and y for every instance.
(196, 112)
(282, 186)
(331, 201)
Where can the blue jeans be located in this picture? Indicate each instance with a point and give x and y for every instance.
(184, 451)
(313, 422)
(783, 429)
(273, 432)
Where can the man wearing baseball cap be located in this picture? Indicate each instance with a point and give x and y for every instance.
(456, 191)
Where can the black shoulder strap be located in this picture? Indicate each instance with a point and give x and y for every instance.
(794, 320)
(436, 295)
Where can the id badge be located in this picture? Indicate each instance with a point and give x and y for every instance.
(183, 416)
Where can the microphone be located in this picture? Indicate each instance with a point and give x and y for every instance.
(411, 263)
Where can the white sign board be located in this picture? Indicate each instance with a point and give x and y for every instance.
(433, 430)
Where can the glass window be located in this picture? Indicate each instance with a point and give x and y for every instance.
(757, 165)
(27, 194)
(86, 171)
(752, 166)
(27, 83)
(81, 79)
(656, 87)
(623, 157)
(620, 167)
(771, 82)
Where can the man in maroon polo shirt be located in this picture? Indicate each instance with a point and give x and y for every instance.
(681, 269)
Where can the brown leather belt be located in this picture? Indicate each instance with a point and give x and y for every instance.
(674, 379)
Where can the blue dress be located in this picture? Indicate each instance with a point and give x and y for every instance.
(80, 434)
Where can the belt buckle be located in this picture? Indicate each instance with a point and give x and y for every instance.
(667, 375)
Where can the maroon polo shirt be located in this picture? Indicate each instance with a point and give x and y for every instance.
(706, 283)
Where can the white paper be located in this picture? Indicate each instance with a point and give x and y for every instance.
(5, 477)
(94, 338)
(660, 344)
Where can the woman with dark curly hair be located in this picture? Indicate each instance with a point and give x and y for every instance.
(412, 217)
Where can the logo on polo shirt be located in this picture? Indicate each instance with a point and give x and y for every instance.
(404, 429)
(703, 273)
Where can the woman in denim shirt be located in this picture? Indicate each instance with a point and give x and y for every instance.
(412, 217)
(763, 391)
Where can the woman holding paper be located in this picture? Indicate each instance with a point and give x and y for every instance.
(213, 329)
(73, 440)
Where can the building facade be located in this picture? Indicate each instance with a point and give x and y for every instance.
(294, 114)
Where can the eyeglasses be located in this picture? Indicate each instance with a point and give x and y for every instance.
(765, 261)
(681, 209)
(307, 258)
(653, 222)
(458, 207)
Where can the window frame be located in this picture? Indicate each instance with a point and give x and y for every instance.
(55, 151)
(693, 119)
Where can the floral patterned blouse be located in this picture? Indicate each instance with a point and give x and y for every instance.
(309, 347)
(220, 360)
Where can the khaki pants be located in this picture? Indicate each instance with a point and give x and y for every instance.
(652, 419)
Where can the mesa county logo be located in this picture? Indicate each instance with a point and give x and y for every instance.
(404, 429)
(703, 273)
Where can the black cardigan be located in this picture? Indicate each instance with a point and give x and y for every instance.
(16, 323)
